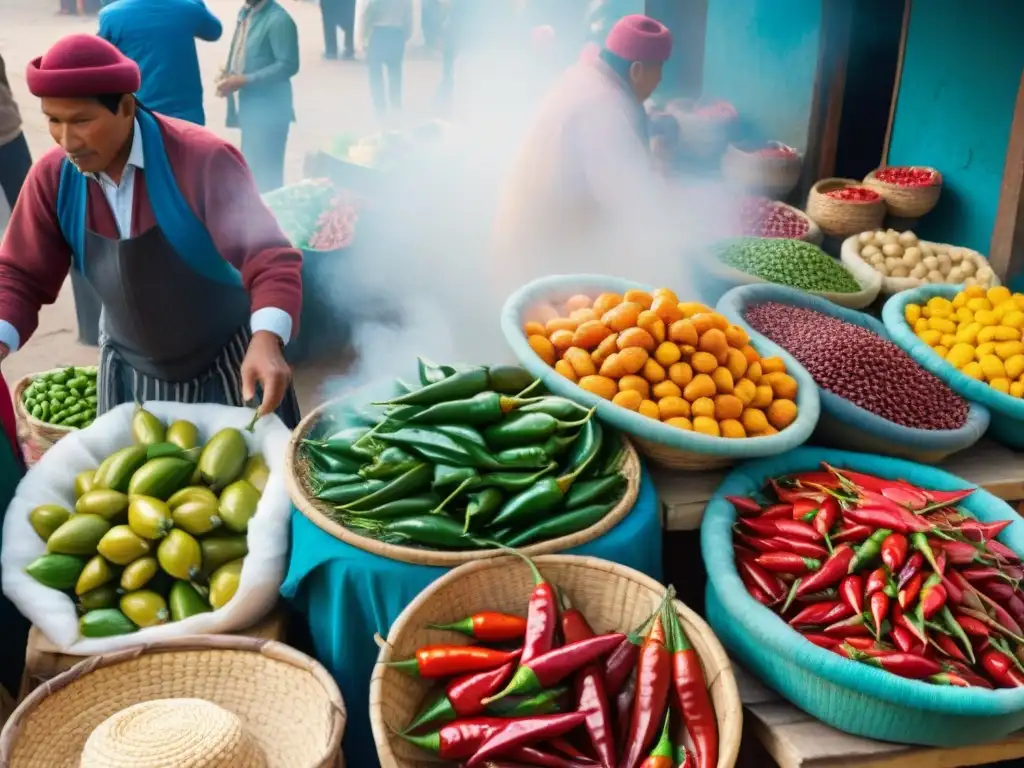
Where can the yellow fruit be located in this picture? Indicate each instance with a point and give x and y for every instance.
(939, 304)
(986, 317)
(138, 574)
(745, 390)
(145, 608)
(600, 386)
(706, 426)
(912, 313)
(732, 428)
(998, 294)
(964, 315)
(675, 407)
(122, 545)
(681, 374)
(960, 300)
(667, 353)
(948, 340)
(781, 413)
(1000, 385)
(1014, 366)
(940, 350)
(920, 325)
(1007, 349)
(982, 350)
(987, 334)
(703, 406)
(992, 367)
(973, 370)
(930, 337)
(1014, 319)
(635, 383)
(723, 381)
(942, 325)
(224, 583)
(968, 334)
(150, 518)
(754, 420)
(1017, 389)
(680, 422)
(979, 305)
(701, 386)
(180, 556)
(629, 398)
(95, 574)
(1005, 333)
(960, 355)
(974, 292)
(649, 408)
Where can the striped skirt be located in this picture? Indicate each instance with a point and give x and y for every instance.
(120, 383)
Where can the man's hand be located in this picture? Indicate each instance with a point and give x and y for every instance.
(230, 84)
(264, 364)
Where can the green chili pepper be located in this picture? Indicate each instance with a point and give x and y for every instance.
(586, 447)
(431, 373)
(557, 445)
(609, 458)
(512, 482)
(868, 550)
(459, 385)
(413, 481)
(559, 407)
(407, 507)
(330, 462)
(564, 524)
(346, 494)
(390, 463)
(345, 444)
(479, 410)
(530, 457)
(528, 429)
(462, 434)
(592, 491)
(446, 476)
(323, 480)
(534, 502)
(431, 445)
(509, 379)
(435, 531)
(405, 386)
(549, 702)
(482, 506)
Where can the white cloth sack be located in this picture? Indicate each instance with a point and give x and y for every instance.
(51, 481)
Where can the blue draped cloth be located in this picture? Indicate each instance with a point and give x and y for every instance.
(347, 594)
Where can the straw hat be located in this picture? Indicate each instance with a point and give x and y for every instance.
(206, 701)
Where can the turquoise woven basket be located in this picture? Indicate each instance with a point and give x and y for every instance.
(558, 288)
(843, 424)
(1008, 426)
(845, 694)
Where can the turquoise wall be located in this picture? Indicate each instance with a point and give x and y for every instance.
(961, 71)
(761, 55)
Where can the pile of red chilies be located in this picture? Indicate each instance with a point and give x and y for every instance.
(888, 574)
(566, 697)
(903, 176)
(854, 195)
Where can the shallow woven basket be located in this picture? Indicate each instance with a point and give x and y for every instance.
(285, 699)
(296, 480)
(842, 218)
(611, 596)
(37, 436)
(907, 202)
(774, 177)
(813, 235)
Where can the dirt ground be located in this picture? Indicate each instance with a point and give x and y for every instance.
(332, 98)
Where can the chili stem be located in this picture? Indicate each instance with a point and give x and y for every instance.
(252, 424)
(459, 489)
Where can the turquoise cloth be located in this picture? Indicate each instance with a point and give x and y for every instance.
(347, 595)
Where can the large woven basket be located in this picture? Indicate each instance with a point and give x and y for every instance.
(842, 218)
(907, 202)
(611, 596)
(286, 701)
(774, 177)
(296, 480)
(37, 437)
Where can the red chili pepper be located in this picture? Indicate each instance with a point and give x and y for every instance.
(949, 678)
(1001, 615)
(858, 624)
(960, 552)
(554, 666)
(463, 697)
(489, 626)
(932, 599)
(879, 607)
(852, 591)
(527, 730)
(877, 581)
(592, 700)
(541, 616)
(620, 663)
(978, 531)
(782, 544)
(780, 526)
(946, 644)
(894, 551)
(894, 519)
(756, 592)
(971, 626)
(787, 562)
(806, 507)
(904, 640)
(858, 480)
(969, 674)
(984, 573)
(822, 641)
(868, 551)
(851, 534)
(830, 574)
(907, 665)
(765, 580)
(458, 740)
(1002, 551)
(434, 661)
(574, 623)
(910, 569)
(624, 710)
(954, 595)
(654, 677)
(947, 498)
(1001, 669)
(909, 593)
(827, 516)
(791, 495)
(906, 496)
(777, 510)
(817, 479)
(691, 692)
(533, 756)
(821, 613)
(744, 505)
(661, 756)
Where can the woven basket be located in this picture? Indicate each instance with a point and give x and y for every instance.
(285, 699)
(37, 437)
(700, 136)
(842, 218)
(813, 235)
(907, 202)
(317, 511)
(774, 177)
(611, 596)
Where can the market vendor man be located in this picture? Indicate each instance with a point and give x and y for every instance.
(584, 184)
(161, 218)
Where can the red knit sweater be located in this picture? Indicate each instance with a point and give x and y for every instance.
(216, 183)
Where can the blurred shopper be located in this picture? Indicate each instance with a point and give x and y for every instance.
(264, 58)
(387, 26)
(161, 38)
(339, 13)
(15, 159)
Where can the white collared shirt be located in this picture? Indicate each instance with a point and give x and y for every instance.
(121, 198)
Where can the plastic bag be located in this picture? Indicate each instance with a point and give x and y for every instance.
(51, 481)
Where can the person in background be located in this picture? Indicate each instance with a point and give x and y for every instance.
(15, 159)
(387, 26)
(339, 13)
(583, 181)
(258, 86)
(160, 37)
(161, 218)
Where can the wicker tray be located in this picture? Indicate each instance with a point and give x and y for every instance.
(611, 596)
(317, 511)
(842, 218)
(774, 177)
(907, 202)
(37, 437)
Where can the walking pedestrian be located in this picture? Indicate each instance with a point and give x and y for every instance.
(161, 38)
(264, 58)
(15, 159)
(387, 26)
(335, 14)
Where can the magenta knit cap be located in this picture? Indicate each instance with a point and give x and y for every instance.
(80, 66)
(639, 38)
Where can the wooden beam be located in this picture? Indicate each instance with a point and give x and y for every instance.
(1006, 251)
(896, 84)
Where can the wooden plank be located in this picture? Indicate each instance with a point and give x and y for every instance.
(993, 467)
(896, 83)
(1006, 251)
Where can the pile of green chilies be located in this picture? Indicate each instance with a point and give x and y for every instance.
(469, 459)
(547, 690)
(888, 574)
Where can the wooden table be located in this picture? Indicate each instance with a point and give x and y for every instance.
(790, 736)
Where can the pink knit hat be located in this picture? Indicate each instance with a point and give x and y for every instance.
(639, 38)
(79, 66)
